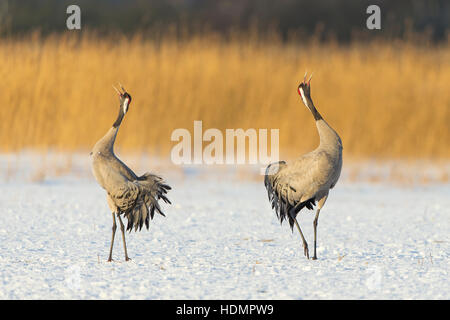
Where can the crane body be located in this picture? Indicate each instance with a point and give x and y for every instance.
(134, 197)
(306, 181)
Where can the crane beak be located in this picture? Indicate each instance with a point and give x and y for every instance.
(307, 82)
(118, 91)
(120, 94)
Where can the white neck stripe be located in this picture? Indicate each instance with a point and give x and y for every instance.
(303, 96)
(125, 105)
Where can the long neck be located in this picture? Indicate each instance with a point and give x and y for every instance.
(329, 139)
(309, 104)
(119, 119)
(106, 143)
(313, 110)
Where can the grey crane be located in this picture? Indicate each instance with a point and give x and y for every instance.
(133, 197)
(308, 179)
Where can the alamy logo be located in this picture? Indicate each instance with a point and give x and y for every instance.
(374, 20)
(73, 277)
(374, 278)
(74, 20)
(234, 146)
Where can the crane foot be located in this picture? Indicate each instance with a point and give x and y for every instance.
(305, 250)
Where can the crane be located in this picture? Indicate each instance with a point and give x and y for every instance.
(134, 197)
(308, 179)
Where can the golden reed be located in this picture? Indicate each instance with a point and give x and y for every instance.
(386, 100)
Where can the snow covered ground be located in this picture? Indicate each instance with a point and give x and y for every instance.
(221, 240)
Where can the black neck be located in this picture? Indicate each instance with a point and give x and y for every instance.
(119, 118)
(313, 110)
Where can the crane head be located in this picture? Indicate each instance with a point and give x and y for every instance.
(125, 101)
(124, 98)
(304, 90)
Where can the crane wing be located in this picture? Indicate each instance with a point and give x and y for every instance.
(291, 187)
(124, 195)
(138, 199)
(310, 175)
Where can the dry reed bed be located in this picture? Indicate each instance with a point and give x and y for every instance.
(387, 100)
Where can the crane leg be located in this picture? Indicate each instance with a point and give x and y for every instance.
(305, 244)
(320, 204)
(114, 227)
(315, 222)
(122, 228)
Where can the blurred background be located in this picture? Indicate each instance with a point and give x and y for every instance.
(231, 64)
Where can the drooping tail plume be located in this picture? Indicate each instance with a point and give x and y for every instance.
(151, 189)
